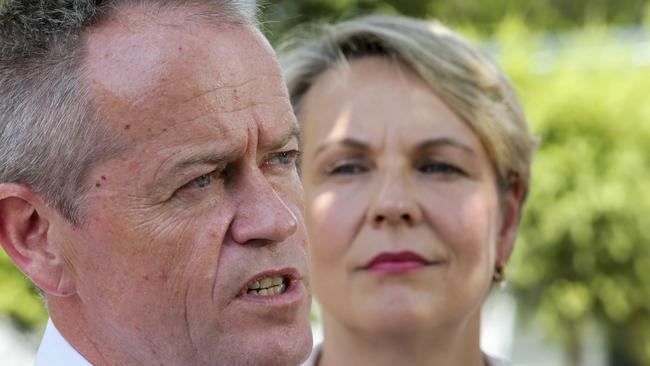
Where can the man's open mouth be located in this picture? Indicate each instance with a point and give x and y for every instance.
(269, 286)
(271, 283)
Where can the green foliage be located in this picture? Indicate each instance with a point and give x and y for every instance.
(584, 247)
(484, 16)
(18, 298)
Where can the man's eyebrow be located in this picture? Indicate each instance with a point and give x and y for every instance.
(292, 133)
(444, 141)
(348, 142)
(205, 158)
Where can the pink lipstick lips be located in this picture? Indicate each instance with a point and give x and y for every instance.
(396, 262)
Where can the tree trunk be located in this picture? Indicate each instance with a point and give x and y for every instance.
(575, 346)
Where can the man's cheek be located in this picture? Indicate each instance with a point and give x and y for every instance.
(173, 240)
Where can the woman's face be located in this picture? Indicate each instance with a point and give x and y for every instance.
(405, 219)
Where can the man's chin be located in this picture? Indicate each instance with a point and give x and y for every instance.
(291, 350)
(282, 346)
(285, 345)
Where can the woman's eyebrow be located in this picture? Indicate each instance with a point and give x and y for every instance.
(348, 141)
(444, 141)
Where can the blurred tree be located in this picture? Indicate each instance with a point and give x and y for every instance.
(18, 298)
(584, 248)
(484, 16)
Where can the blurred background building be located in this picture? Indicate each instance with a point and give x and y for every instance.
(579, 279)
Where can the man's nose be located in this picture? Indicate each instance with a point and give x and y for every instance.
(394, 204)
(263, 217)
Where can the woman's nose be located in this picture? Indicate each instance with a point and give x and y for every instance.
(394, 205)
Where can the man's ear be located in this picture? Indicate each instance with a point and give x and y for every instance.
(24, 226)
(512, 200)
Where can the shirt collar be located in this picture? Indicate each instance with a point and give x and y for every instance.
(56, 351)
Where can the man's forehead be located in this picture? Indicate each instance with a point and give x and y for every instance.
(171, 71)
(123, 53)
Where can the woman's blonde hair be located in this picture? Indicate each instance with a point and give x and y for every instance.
(463, 76)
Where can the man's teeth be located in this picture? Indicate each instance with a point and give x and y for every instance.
(268, 286)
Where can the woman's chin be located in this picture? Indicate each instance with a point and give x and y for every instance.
(391, 318)
(404, 311)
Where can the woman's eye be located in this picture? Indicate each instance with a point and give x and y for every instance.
(284, 158)
(439, 168)
(347, 169)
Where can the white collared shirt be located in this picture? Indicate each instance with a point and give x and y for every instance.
(56, 351)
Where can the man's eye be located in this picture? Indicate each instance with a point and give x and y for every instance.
(203, 181)
(284, 158)
(347, 169)
(439, 168)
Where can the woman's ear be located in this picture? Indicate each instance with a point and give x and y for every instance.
(512, 199)
(24, 226)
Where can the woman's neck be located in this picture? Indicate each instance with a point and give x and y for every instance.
(450, 346)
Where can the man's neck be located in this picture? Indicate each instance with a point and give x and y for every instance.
(453, 346)
(73, 326)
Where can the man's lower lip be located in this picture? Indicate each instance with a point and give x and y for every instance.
(396, 267)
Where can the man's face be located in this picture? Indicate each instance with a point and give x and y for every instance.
(202, 205)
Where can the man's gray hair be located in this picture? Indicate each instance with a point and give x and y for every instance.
(50, 136)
